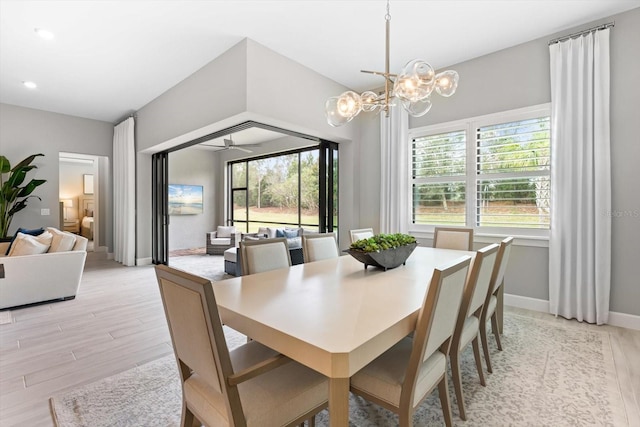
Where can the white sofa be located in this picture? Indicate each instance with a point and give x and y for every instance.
(29, 279)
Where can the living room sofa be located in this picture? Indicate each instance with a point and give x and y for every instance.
(28, 279)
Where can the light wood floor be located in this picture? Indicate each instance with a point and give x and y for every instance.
(117, 322)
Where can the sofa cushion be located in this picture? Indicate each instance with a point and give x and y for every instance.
(34, 232)
(220, 241)
(26, 244)
(225, 231)
(62, 241)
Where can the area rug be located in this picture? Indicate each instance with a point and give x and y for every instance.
(208, 266)
(548, 375)
(5, 317)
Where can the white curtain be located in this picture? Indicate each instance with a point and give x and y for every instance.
(394, 193)
(124, 236)
(580, 243)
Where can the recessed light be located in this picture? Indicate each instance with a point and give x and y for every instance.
(45, 34)
(30, 85)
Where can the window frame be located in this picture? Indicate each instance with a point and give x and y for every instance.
(470, 126)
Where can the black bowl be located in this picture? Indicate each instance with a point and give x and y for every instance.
(390, 258)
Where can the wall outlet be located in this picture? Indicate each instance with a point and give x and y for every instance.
(45, 212)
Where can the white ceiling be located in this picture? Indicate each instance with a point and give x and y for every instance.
(109, 58)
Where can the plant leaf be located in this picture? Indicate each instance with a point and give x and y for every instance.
(28, 189)
(5, 166)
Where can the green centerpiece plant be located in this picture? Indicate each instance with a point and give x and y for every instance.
(13, 194)
(383, 250)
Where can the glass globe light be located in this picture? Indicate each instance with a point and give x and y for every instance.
(417, 108)
(334, 118)
(447, 83)
(415, 82)
(368, 100)
(349, 104)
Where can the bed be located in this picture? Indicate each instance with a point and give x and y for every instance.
(86, 224)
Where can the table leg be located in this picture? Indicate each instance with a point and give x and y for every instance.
(338, 402)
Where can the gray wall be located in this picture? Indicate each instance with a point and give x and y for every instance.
(519, 77)
(193, 166)
(25, 131)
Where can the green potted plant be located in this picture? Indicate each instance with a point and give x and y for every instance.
(383, 250)
(13, 194)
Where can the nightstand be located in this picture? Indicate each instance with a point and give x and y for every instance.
(72, 226)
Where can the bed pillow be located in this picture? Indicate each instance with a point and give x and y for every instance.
(34, 232)
(62, 241)
(26, 244)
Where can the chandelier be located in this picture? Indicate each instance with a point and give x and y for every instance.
(412, 87)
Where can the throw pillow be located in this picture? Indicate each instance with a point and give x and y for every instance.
(34, 232)
(290, 233)
(271, 232)
(26, 244)
(225, 231)
(263, 231)
(62, 241)
(279, 233)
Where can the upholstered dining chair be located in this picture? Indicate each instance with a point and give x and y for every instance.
(264, 255)
(250, 386)
(453, 238)
(316, 247)
(402, 377)
(467, 325)
(360, 233)
(490, 304)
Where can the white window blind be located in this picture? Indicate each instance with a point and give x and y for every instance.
(490, 173)
(513, 167)
(439, 178)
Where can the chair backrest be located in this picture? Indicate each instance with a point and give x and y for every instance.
(437, 318)
(453, 238)
(316, 247)
(477, 285)
(501, 264)
(361, 233)
(264, 255)
(196, 332)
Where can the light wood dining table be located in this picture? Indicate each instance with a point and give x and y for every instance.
(333, 316)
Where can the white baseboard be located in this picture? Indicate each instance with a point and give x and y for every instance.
(144, 261)
(622, 320)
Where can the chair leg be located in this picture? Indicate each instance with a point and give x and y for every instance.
(187, 416)
(485, 346)
(443, 391)
(457, 381)
(494, 328)
(476, 355)
(406, 418)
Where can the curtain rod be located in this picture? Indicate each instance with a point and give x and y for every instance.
(579, 33)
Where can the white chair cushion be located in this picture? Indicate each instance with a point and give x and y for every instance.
(491, 307)
(220, 241)
(25, 244)
(321, 248)
(231, 254)
(225, 231)
(363, 235)
(384, 376)
(469, 331)
(273, 398)
(62, 241)
(266, 257)
(453, 240)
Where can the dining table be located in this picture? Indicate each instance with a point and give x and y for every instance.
(334, 316)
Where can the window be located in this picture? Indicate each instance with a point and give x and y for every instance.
(491, 173)
(285, 189)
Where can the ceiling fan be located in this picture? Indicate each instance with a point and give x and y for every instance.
(229, 145)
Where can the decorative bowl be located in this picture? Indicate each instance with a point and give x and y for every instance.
(389, 258)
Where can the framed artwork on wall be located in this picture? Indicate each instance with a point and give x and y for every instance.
(87, 184)
(185, 199)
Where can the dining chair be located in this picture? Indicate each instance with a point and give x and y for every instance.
(251, 385)
(316, 247)
(453, 238)
(490, 304)
(257, 256)
(467, 325)
(403, 376)
(361, 233)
